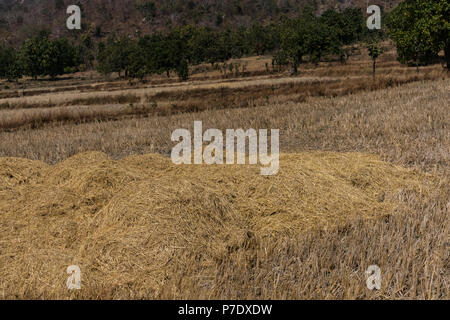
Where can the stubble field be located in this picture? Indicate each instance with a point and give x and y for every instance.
(85, 179)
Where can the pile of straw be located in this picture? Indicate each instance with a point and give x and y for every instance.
(132, 224)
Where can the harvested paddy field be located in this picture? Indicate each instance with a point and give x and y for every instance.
(85, 179)
(142, 227)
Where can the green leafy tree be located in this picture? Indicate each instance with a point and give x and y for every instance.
(115, 55)
(9, 64)
(259, 38)
(234, 42)
(218, 49)
(420, 29)
(176, 53)
(348, 24)
(59, 58)
(86, 51)
(321, 40)
(33, 51)
(155, 51)
(292, 47)
(41, 56)
(306, 37)
(375, 51)
(138, 67)
(182, 70)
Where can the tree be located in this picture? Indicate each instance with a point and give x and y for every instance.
(263, 38)
(292, 47)
(9, 65)
(258, 38)
(32, 52)
(217, 50)
(41, 56)
(375, 50)
(160, 53)
(182, 70)
(115, 55)
(176, 53)
(347, 24)
(85, 50)
(198, 44)
(59, 58)
(321, 40)
(138, 66)
(155, 48)
(307, 36)
(420, 29)
(235, 43)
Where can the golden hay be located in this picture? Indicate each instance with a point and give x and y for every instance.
(132, 224)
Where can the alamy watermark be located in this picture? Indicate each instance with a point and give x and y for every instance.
(373, 281)
(74, 280)
(74, 20)
(374, 21)
(235, 147)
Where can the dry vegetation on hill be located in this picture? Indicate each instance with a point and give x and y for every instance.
(364, 179)
(20, 18)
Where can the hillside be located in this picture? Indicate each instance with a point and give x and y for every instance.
(21, 18)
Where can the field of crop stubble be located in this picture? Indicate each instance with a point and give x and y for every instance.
(364, 179)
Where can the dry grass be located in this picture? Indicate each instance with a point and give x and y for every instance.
(27, 103)
(140, 227)
(35, 118)
(309, 232)
(171, 101)
(407, 125)
(95, 100)
(144, 228)
(90, 84)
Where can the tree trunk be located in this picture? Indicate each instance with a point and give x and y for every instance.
(294, 70)
(416, 60)
(374, 68)
(447, 53)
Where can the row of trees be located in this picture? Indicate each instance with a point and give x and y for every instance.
(183, 46)
(39, 56)
(289, 40)
(419, 28)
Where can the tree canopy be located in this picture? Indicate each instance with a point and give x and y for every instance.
(42, 56)
(420, 29)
